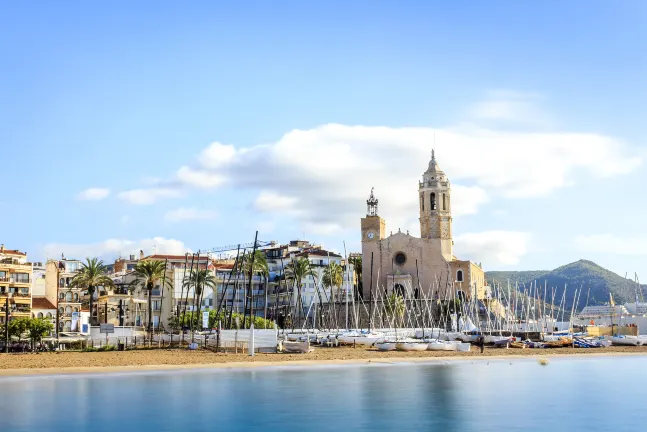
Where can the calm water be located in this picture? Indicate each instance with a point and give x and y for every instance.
(602, 394)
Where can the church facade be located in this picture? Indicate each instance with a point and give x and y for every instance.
(423, 267)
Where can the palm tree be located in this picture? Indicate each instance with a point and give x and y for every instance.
(333, 277)
(199, 280)
(93, 274)
(147, 275)
(296, 271)
(258, 267)
(394, 306)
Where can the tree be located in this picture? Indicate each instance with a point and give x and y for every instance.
(199, 280)
(17, 327)
(147, 275)
(38, 328)
(395, 306)
(296, 271)
(93, 274)
(258, 267)
(333, 276)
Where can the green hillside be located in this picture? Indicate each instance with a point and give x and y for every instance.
(594, 280)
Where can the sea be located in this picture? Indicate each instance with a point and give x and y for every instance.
(567, 394)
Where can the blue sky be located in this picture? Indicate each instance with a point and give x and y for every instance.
(198, 124)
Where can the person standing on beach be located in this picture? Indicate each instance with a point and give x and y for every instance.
(481, 343)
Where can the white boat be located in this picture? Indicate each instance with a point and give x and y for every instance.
(464, 347)
(385, 345)
(436, 345)
(411, 345)
(626, 340)
(359, 338)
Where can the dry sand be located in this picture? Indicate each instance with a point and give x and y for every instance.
(84, 362)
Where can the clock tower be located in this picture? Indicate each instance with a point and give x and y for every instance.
(434, 196)
(373, 226)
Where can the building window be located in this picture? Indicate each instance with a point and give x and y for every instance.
(76, 297)
(68, 296)
(432, 201)
(444, 202)
(459, 276)
(21, 277)
(422, 201)
(400, 258)
(399, 290)
(40, 315)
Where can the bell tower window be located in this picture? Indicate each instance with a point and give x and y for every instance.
(422, 201)
(444, 202)
(459, 276)
(432, 201)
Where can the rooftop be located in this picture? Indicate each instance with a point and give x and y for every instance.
(41, 303)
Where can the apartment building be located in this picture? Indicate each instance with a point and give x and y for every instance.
(71, 301)
(15, 284)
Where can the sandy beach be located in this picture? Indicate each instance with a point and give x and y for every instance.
(91, 362)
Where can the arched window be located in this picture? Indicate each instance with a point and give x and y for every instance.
(432, 201)
(40, 314)
(422, 201)
(444, 202)
(68, 326)
(76, 309)
(61, 283)
(60, 325)
(49, 315)
(76, 297)
(68, 310)
(61, 310)
(399, 290)
(61, 296)
(459, 276)
(68, 296)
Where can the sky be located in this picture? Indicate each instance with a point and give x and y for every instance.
(165, 126)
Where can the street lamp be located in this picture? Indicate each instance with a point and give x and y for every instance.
(6, 323)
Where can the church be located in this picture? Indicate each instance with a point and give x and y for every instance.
(415, 267)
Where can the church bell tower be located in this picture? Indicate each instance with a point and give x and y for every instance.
(434, 195)
(373, 226)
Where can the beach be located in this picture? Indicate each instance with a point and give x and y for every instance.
(136, 360)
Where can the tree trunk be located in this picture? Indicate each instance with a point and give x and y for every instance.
(91, 292)
(150, 311)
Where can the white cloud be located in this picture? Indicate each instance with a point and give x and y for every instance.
(148, 196)
(185, 214)
(94, 194)
(113, 248)
(321, 177)
(199, 178)
(511, 106)
(492, 247)
(217, 155)
(269, 201)
(611, 244)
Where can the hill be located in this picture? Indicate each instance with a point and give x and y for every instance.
(595, 281)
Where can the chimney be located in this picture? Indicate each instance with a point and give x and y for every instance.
(132, 257)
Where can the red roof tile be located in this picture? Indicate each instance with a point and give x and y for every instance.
(41, 303)
(13, 252)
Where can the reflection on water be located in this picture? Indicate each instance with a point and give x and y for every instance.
(569, 394)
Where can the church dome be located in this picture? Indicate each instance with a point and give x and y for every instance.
(434, 173)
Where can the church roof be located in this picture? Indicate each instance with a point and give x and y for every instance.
(433, 165)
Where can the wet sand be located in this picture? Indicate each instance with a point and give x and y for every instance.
(91, 362)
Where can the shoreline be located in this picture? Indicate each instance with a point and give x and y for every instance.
(252, 363)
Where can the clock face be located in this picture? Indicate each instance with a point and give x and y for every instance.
(370, 235)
